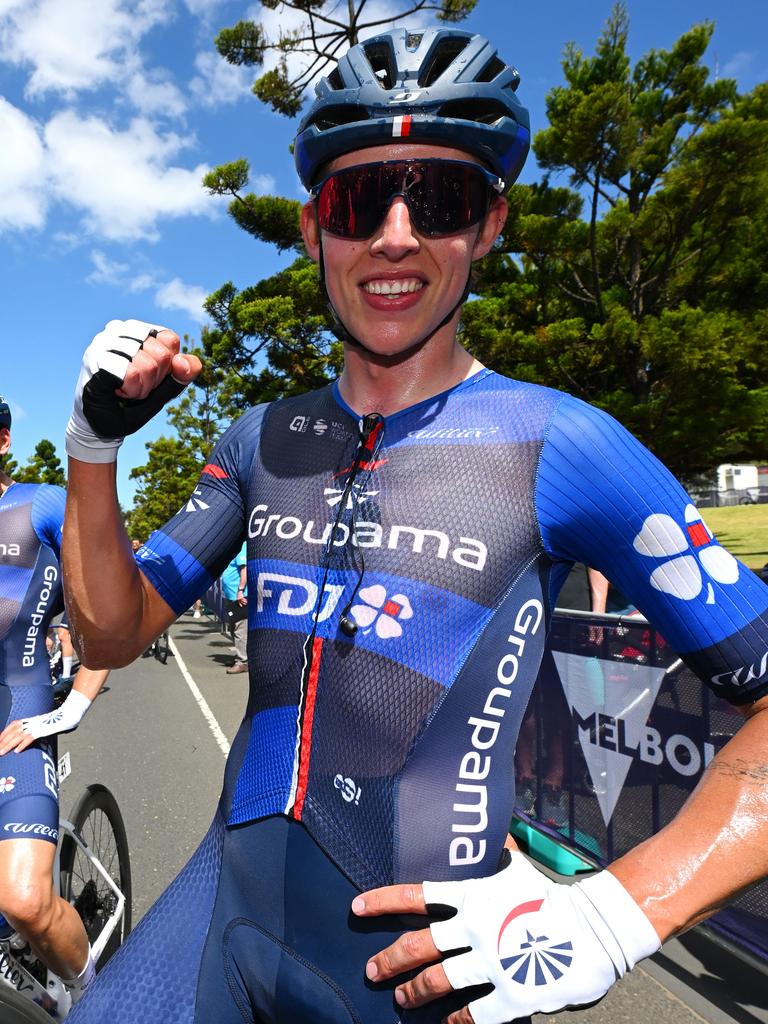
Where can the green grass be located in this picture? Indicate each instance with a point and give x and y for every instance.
(743, 530)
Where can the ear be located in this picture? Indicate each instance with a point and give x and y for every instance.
(5, 440)
(310, 230)
(491, 227)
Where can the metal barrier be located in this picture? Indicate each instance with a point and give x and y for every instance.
(616, 736)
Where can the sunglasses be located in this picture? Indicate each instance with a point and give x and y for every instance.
(443, 196)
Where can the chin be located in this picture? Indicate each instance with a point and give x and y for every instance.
(388, 353)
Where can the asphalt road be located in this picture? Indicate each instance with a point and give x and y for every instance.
(157, 737)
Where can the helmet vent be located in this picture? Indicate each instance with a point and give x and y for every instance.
(493, 68)
(335, 80)
(443, 55)
(483, 111)
(380, 58)
(332, 117)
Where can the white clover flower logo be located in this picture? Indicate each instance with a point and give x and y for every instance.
(686, 553)
(7, 783)
(381, 613)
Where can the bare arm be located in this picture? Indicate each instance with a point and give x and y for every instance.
(114, 612)
(716, 846)
(22, 733)
(598, 590)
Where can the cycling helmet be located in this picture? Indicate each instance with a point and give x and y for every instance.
(438, 86)
(5, 414)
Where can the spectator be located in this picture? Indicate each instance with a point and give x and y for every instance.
(234, 585)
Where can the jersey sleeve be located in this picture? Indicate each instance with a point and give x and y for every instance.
(48, 516)
(605, 500)
(185, 556)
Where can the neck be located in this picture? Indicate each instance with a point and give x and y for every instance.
(5, 482)
(387, 384)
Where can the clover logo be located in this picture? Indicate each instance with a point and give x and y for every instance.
(690, 555)
(7, 783)
(381, 613)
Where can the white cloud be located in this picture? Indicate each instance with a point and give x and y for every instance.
(142, 282)
(738, 63)
(72, 45)
(172, 295)
(155, 94)
(121, 180)
(201, 8)
(105, 270)
(218, 81)
(188, 298)
(22, 170)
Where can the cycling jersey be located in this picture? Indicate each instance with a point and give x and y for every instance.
(443, 532)
(31, 518)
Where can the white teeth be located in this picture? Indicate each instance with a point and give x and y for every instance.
(411, 284)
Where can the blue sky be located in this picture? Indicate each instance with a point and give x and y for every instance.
(111, 111)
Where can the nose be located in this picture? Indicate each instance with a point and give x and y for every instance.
(395, 236)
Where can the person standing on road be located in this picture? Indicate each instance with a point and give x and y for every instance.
(234, 583)
(31, 518)
(408, 528)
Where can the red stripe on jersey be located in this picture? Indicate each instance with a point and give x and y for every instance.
(406, 126)
(699, 534)
(370, 443)
(213, 470)
(306, 728)
(376, 464)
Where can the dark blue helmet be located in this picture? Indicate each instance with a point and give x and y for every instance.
(438, 86)
(5, 414)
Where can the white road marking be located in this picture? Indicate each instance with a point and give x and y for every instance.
(208, 715)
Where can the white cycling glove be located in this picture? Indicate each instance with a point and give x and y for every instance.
(543, 945)
(63, 719)
(101, 419)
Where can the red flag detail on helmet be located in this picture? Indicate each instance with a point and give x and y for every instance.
(401, 126)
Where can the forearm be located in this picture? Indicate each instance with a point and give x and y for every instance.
(598, 590)
(716, 846)
(103, 587)
(89, 681)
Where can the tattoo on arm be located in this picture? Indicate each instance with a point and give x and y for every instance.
(741, 768)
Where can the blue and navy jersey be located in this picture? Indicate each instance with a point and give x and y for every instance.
(31, 518)
(394, 743)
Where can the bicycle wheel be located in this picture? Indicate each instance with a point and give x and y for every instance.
(162, 648)
(17, 1009)
(98, 821)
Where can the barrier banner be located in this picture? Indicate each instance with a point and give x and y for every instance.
(617, 734)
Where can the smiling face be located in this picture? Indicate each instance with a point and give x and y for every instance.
(393, 289)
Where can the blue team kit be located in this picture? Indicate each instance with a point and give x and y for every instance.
(442, 533)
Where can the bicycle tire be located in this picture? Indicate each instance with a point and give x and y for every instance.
(162, 648)
(98, 821)
(18, 1009)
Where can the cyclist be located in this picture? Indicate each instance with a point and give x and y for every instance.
(31, 517)
(408, 528)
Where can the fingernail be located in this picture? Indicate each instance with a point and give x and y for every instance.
(400, 997)
(371, 971)
(358, 905)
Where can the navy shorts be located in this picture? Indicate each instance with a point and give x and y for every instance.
(29, 790)
(256, 929)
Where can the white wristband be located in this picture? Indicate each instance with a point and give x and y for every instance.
(63, 719)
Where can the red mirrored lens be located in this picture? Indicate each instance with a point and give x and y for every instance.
(443, 197)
